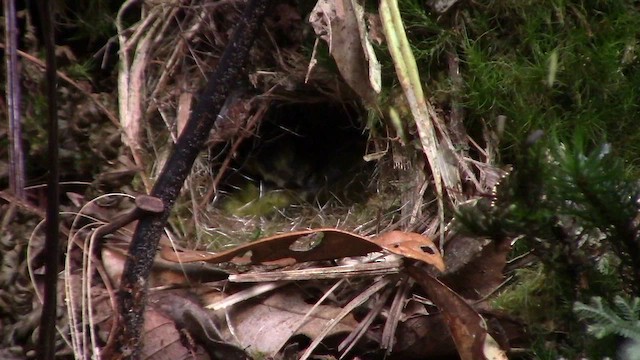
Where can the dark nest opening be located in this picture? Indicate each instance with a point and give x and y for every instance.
(300, 154)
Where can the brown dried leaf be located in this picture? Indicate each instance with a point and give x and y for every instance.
(341, 24)
(308, 245)
(163, 272)
(413, 246)
(162, 341)
(467, 327)
(265, 326)
(194, 321)
(482, 270)
(317, 245)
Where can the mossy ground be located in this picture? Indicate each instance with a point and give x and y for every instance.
(551, 65)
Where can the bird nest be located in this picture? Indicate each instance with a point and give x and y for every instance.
(295, 145)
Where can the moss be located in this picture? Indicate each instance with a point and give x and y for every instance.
(535, 298)
(540, 298)
(80, 70)
(507, 54)
(250, 201)
(554, 64)
(88, 21)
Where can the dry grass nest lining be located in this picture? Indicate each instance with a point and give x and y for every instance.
(184, 44)
(167, 56)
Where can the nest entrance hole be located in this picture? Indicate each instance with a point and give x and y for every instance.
(312, 152)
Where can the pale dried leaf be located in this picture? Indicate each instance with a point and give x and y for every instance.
(266, 325)
(162, 341)
(492, 350)
(337, 23)
(184, 110)
(375, 77)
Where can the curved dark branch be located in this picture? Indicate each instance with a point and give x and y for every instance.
(146, 237)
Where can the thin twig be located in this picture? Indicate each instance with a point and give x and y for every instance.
(12, 87)
(334, 272)
(246, 294)
(390, 326)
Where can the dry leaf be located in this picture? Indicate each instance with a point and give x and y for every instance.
(316, 245)
(375, 28)
(413, 246)
(467, 327)
(342, 26)
(492, 351)
(375, 76)
(192, 319)
(441, 6)
(162, 341)
(482, 271)
(329, 244)
(265, 326)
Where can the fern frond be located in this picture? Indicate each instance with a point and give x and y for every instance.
(604, 320)
(629, 310)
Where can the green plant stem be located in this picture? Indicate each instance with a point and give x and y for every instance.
(407, 72)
